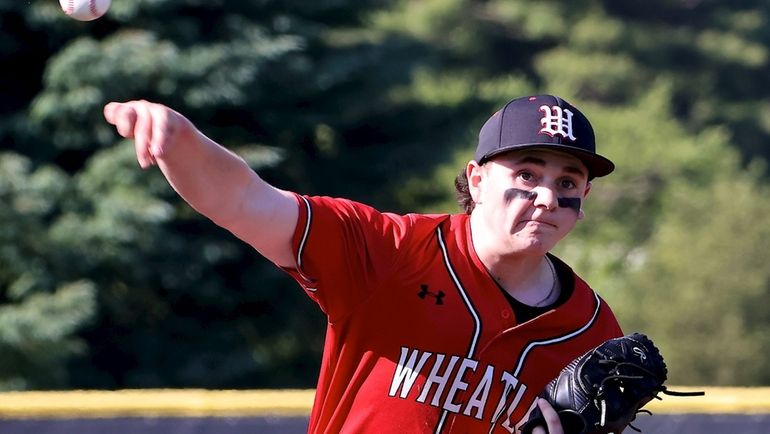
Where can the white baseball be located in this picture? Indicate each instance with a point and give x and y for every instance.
(85, 10)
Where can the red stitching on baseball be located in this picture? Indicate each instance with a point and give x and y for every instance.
(70, 7)
(92, 8)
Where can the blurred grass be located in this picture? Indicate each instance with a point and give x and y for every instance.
(727, 400)
(148, 403)
(291, 402)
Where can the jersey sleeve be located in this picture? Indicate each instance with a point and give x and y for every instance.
(344, 250)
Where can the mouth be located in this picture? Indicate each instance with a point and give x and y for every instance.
(539, 223)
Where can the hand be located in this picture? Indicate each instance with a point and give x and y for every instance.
(155, 128)
(551, 419)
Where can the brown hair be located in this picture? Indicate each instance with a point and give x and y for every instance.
(463, 193)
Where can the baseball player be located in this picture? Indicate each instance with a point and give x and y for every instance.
(436, 323)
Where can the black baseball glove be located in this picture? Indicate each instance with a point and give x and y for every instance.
(601, 391)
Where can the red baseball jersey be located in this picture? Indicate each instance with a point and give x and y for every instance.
(420, 338)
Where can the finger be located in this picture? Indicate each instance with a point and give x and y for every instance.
(143, 134)
(109, 112)
(123, 116)
(163, 129)
(550, 416)
(126, 118)
(539, 430)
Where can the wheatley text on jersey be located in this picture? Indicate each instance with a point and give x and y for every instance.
(444, 380)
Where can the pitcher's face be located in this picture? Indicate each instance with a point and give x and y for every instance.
(530, 198)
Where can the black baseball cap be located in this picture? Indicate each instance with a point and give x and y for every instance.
(542, 121)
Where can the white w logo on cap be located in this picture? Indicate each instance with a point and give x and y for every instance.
(554, 122)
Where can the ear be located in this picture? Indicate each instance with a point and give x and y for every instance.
(474, 173)
(581, 213)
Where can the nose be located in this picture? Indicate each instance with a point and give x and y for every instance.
(546, 198)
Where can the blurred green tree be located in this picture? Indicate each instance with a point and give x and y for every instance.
(379, 101)
(42, 304)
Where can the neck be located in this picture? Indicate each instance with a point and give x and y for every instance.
(527, 277)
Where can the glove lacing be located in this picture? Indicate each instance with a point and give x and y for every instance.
(601, 403)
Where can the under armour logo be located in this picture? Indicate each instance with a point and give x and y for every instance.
(640, 353)
(555, 123)
(425, 292)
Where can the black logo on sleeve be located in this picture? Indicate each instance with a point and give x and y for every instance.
(425, 292)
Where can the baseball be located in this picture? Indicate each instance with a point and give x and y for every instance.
(85, 10)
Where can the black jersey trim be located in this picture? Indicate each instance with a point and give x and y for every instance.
(303, 241)
(476, 318)
(558, 339)
(463, 293)
(555, 340)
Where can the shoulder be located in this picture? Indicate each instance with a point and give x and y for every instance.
(352, 212)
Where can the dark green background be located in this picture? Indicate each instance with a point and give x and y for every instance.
(108, 280)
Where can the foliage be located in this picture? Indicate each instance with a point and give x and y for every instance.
(108, 280)
(42, 303)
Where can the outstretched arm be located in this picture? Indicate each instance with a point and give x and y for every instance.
(213, 180)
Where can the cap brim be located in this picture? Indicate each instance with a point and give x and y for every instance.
(596, 164)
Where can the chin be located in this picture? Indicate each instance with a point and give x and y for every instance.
(530, 249)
